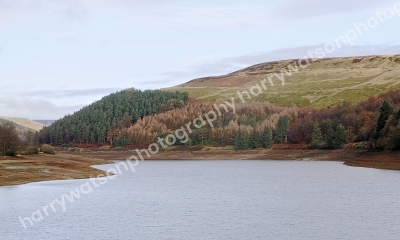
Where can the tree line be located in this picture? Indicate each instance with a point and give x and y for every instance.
(139, 118)
(14, 141)
(9, 140)
(249, 124)
(387, 133)
(374, 121)
(92, 123)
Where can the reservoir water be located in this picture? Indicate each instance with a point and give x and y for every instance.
(211, 200)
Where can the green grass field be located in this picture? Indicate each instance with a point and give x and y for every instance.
(323, 83)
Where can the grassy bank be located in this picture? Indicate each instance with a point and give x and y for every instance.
(43, 167)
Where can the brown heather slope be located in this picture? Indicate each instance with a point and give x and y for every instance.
(326, 82)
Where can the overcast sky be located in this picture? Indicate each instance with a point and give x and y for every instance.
(57, 56)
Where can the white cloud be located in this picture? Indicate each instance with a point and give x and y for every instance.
(200, 16)
(165, 13)
(26, 107)
(294, 9)
(40, 104)
(155, 13)
(67, 93)
(70, 8)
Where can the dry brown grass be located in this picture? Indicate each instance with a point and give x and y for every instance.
(43, 167)
(378, 160)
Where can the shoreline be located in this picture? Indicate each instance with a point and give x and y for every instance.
(78, 165)
(353, 158)
(43, 167)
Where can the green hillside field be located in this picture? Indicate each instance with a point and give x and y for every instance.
(325, 82)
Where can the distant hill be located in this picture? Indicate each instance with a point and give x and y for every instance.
(27, 123)
(325, 82)
(45, 122)
(22, 130)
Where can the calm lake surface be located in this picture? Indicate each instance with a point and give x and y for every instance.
(214, 200)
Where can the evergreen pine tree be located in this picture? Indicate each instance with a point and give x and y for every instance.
(340, 137)
(398, 115)
(330, 137)
(394, 138)
(266, 141)
(282, 129)
(254, 140)
(385, 111)
(245, 140)
(239, 140)
(124, 107)
(317, 140)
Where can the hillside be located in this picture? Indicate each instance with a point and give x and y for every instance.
(92, 124)
(325, 82)
(23, 132)
(253, 125)
(24, 122)
(138, 118)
